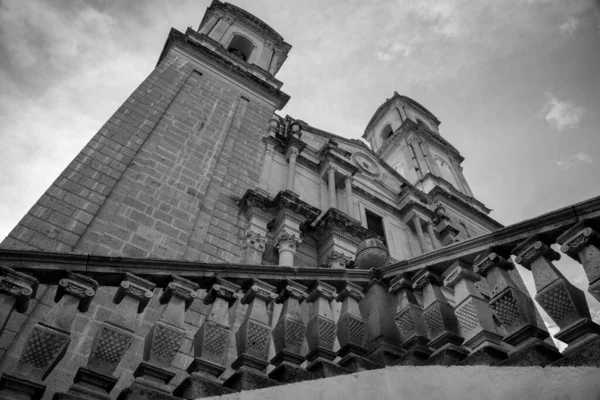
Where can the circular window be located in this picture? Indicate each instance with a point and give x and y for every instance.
(366, 164)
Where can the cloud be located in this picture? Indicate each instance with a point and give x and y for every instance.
(562, 115)
(569, 26)
(392, 51)
(575, 159)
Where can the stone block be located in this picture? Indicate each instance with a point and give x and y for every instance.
(326, 369)
(138, 392)
(538, 354)
(587, 355)
(488, 355)
(357, 363)
(447, 356)
(249, 379)
(197, 386)
(287, 373)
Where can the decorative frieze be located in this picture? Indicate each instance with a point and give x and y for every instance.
(563, 302)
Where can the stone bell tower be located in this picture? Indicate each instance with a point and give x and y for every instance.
(406, 135)
(161, 178)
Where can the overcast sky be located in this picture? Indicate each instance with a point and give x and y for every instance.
(516, 83)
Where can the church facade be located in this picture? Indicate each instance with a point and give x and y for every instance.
(201, 244)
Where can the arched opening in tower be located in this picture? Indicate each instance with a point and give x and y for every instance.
(386, 132)
(240, 47)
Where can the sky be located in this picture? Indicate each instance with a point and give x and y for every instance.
(515, 83)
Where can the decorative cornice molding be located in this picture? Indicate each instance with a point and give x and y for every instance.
(288, 200)
(335, 219)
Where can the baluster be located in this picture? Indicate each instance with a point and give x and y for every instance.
(382, 338)
(351, 330)
(288, 335)
(16, 289)
(211, 344)
(409, 318)
(321, 332)
(112, 341)
(442, 325)
(48, 341)
(516, 312)
(162, 343)
(563, 302)
(582, 243)
(475, 317)
(252, 339)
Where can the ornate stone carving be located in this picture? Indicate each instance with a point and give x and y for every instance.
(179, 288)
(78, 286)
(19, 286)
(336, 260)
(287, 242)
(371, 253)
(532, 249)
(108, 348)
(44, 348)
(137, 288)
(321, 328)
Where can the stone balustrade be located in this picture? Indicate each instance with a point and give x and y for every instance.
(255, 327)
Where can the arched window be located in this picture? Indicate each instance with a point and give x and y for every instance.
(240, 47)
(386, 132)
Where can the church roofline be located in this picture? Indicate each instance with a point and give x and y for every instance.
(383, 108)
(186, 41)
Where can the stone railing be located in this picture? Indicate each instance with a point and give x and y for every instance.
(105, 328)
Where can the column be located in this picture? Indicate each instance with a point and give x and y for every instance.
(349, 206)
(288, 335)
(291, 156)
(409, 319)
(152, 376)
(331, 187)
(211, 344)
(434, 240)
(563, 302)
(268, 162)
(516, 311)
(382, 338)
(321, 332)
(287, 244)
(475, 317)
(582, 243)
(442, 325)
(16, 289)
(252, 339)
(47, 342)
(420, 236)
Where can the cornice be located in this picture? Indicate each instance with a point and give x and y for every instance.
(185, 42)
(335, 219)
(289, 200)
(438, 191)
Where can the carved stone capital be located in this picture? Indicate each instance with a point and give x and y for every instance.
(20, 286)
(532, 249)
(458, 273)
(331, 170)
(351, 290)
(291, 289)
(254, 240)
(292, 153)
(487, 260)
(287, 241)
(78, 286)
(577, 238)
(423, 277)
(400, 282)
(336, 260)
(259, 289)
(135, 287)
(320, 289)
(223, 289)
(181, 288)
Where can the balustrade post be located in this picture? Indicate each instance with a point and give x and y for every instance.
(516, 312)
(321, 332)
(16, 289)
(48, 341)
(288, 335)
(351, 329)
(252, 339)
(475, 317)
(409, 318)
(442, 324)
(162, 343)
(211, 344)
(382, 337)
(582, 243)
(96, 380)
(563, 302)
